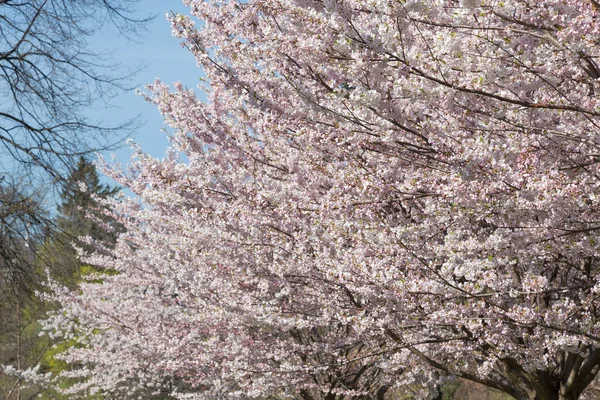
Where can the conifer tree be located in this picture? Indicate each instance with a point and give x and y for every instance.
(80, 215)
(78, 197)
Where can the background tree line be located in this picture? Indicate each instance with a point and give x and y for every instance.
(49, 78)
(33, 250)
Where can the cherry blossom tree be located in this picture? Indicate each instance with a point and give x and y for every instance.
(376, 192)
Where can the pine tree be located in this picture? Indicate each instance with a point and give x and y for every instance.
(79, 213)
(78, 201)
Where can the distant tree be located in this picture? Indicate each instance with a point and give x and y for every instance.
(49, 75)
(80, 214)
(23, 229)
(79, 197)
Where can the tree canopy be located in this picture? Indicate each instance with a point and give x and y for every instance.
(376, 193)
(80, 196)
(49, 76)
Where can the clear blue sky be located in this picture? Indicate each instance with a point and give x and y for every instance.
(163, 58)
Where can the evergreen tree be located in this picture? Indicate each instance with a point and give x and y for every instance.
(78, 201)
(79, 214)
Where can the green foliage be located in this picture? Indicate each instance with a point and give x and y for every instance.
(449, 388)
(76, 203)
(55, 365)
(79, 202)
(87, 270)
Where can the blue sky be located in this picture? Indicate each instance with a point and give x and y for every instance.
(162, 57)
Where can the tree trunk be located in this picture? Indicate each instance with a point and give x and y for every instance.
(18, 348)
(567, 397)
(433, 388)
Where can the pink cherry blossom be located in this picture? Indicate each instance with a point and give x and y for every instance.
(374, 191)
